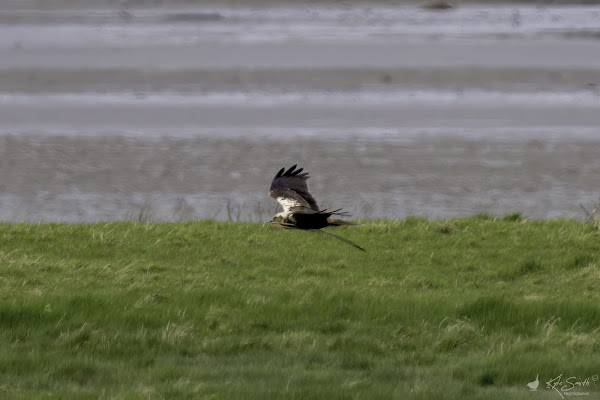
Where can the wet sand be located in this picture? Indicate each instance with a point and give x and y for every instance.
(135, 80)
(108, 178)
(108, 126)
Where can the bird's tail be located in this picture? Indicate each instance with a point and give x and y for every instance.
(339, 222)
(334, 212)
(339, 213)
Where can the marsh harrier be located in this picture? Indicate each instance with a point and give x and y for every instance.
(300, 210)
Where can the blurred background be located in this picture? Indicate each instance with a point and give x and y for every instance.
(177, 110)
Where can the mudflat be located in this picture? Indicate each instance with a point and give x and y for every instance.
(166, 178)
(118, 111)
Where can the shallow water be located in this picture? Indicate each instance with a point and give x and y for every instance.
(179, 113)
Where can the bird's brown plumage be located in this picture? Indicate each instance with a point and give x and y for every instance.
(300, 210)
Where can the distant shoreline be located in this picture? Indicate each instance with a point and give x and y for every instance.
(51, 4)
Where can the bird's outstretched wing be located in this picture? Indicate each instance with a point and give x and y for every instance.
(290, 189)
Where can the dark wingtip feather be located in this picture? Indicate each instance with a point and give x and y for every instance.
(289, 171)
(351, 243)
(292, 171)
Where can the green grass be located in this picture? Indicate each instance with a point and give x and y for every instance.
(461, 308)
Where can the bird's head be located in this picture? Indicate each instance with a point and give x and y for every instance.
(275, 193)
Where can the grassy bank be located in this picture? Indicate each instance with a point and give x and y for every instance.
(461, 308)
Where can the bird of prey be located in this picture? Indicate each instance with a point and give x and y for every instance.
(300, 210)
